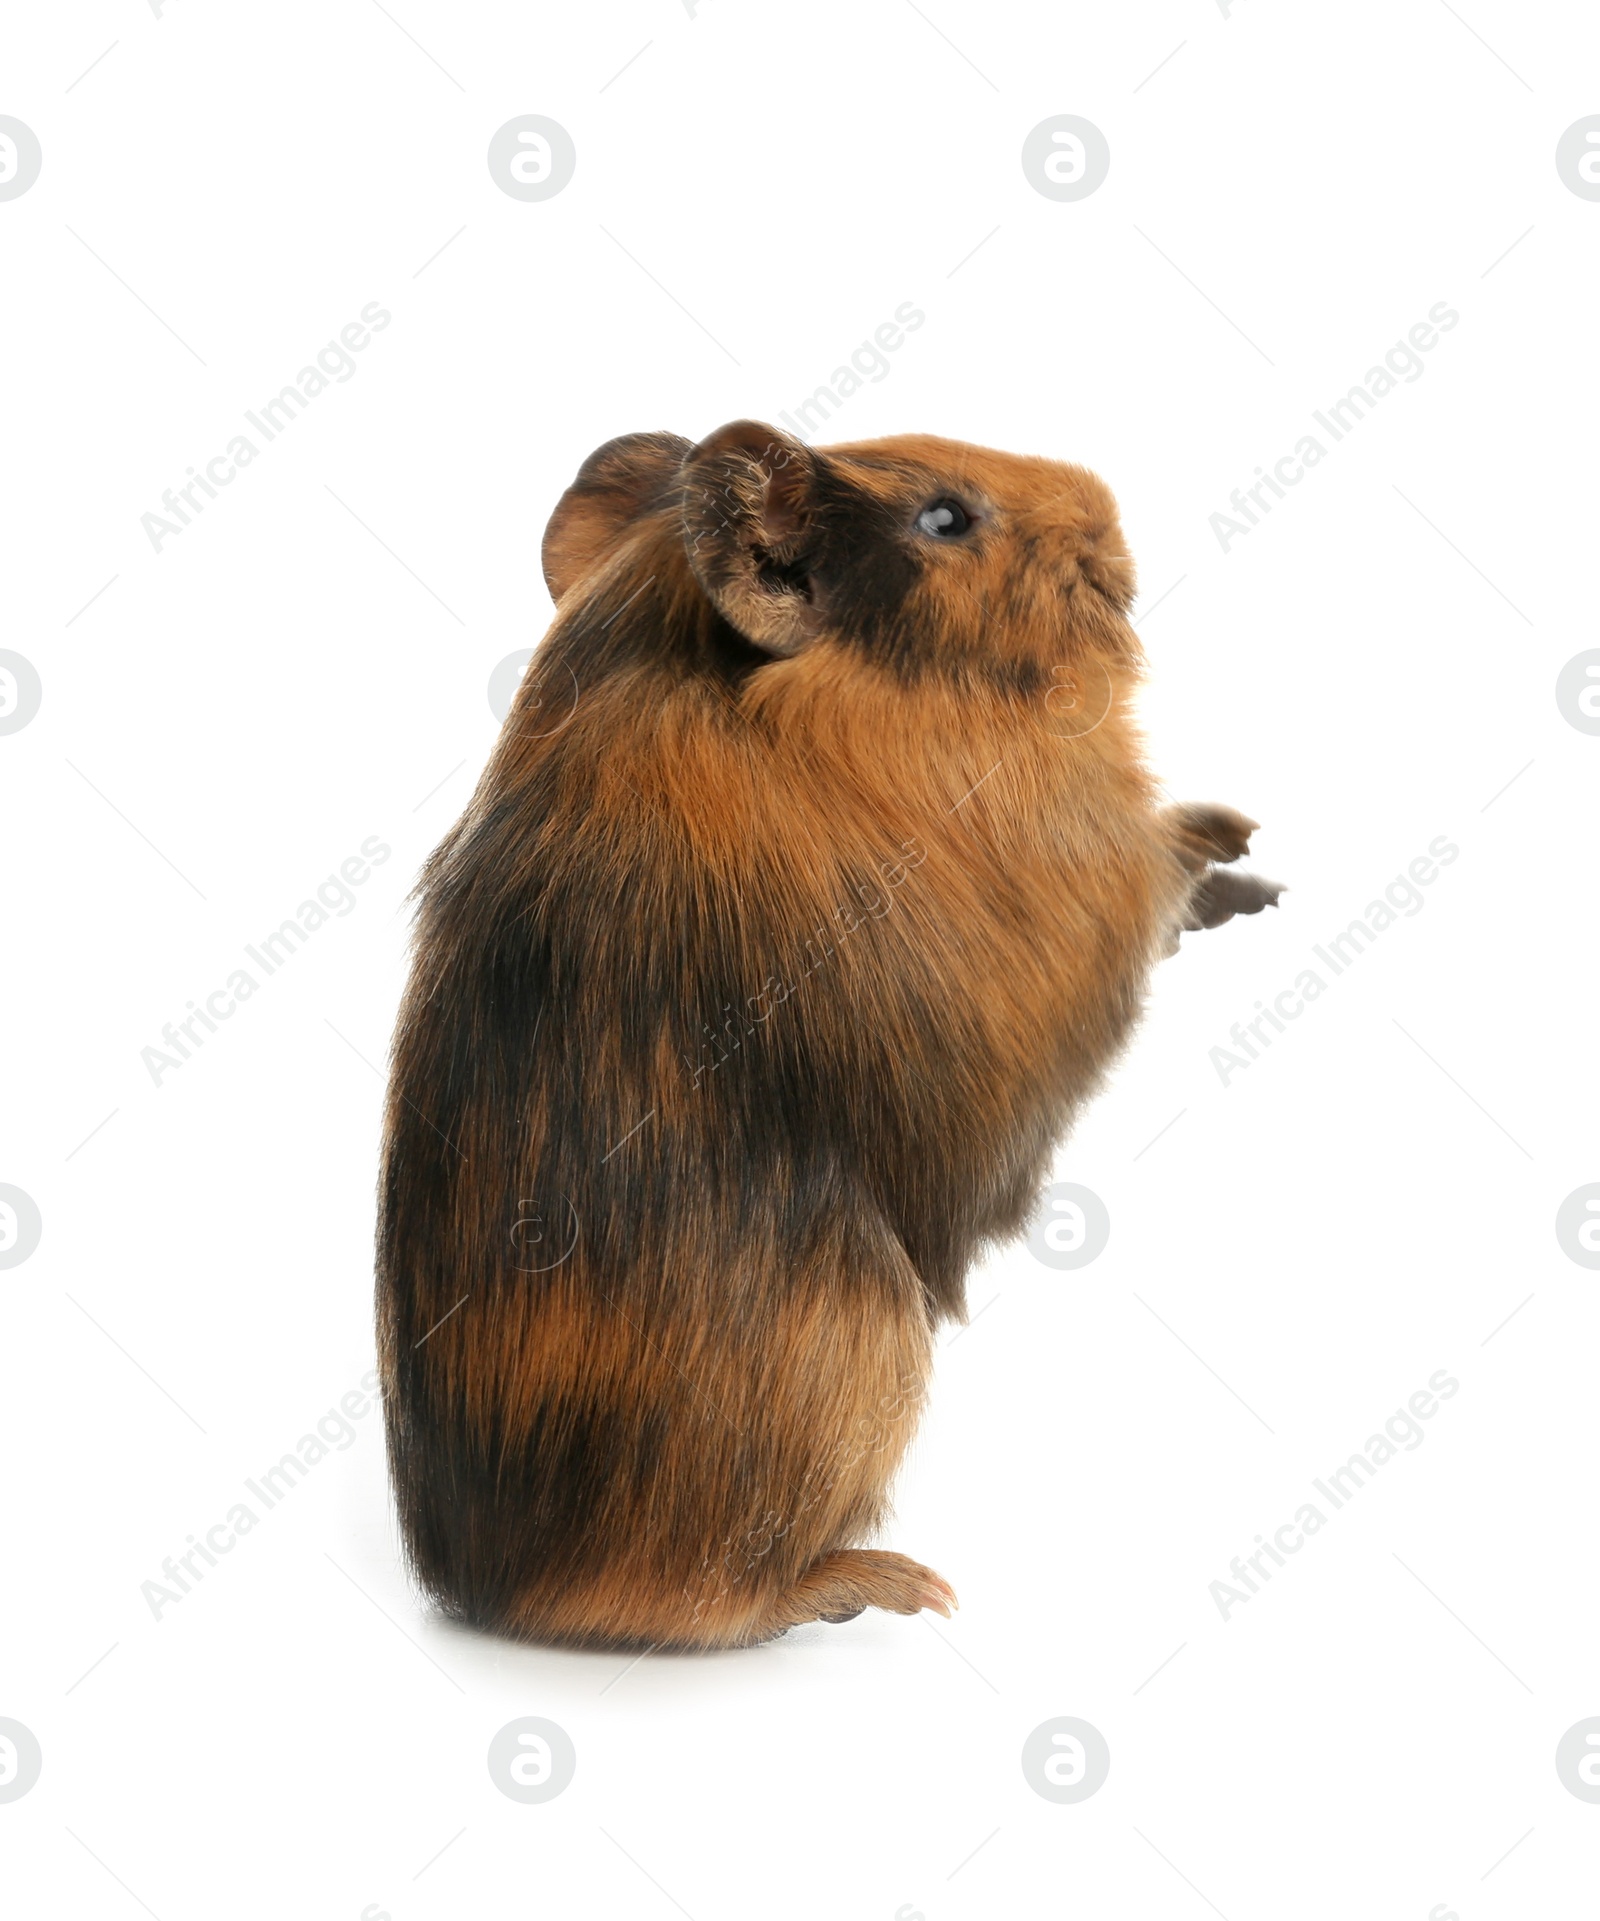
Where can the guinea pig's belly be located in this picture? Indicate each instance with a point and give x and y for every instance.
(1010, 1028)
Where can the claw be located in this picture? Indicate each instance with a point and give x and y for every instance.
(939, 1596)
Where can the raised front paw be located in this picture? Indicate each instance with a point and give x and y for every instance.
(1220, 894)
(1203, 832)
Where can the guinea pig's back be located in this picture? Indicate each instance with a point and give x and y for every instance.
(630, 1304)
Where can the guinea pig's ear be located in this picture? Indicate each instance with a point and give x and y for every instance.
(617, 483)
(749, 523)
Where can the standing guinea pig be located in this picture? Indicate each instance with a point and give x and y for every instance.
(811, 888)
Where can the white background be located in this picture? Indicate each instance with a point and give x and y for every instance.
(1289, 1261)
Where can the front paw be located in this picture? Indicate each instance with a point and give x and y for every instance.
(1220, 895)
(1203, 832)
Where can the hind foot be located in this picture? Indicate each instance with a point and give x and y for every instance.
(841, 1585)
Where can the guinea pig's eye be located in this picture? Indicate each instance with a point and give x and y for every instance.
(943, 519)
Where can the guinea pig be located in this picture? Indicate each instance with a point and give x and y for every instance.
(812, 886)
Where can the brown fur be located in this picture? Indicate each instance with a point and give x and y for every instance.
(811, 888)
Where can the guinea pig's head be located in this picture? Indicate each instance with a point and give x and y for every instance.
(920, 554)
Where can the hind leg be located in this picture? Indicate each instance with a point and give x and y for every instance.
(842, 1584)
(773, 1438)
